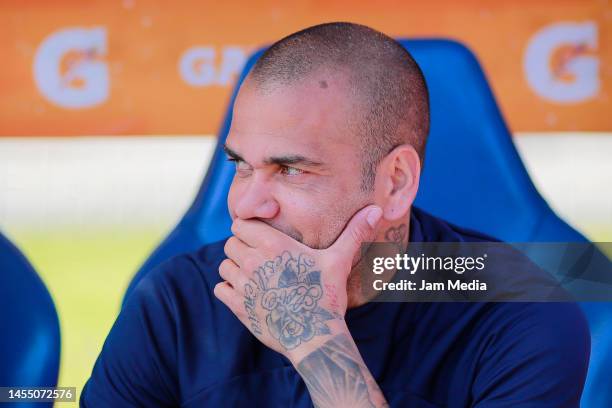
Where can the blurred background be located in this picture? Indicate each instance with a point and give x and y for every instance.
(109, 110)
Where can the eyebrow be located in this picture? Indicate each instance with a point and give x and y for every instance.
(284, 160)
(232, 153)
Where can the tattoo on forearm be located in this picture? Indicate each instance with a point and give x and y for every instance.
(289, 289)
(333, 375)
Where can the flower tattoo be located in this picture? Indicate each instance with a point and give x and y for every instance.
(293, 313)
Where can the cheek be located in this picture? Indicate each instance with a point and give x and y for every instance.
(296, 207)
(340, 211)
(300, 213)
(321, 219)
(334, 221)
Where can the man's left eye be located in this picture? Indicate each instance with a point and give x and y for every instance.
(291, 171)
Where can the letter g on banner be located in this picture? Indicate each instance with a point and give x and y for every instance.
(68, 68)
(198, 65)
(560, 64)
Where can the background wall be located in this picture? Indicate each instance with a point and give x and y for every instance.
(109, 109)
(151, 67)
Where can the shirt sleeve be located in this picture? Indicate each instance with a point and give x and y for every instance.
(137, 364)
(539, 358)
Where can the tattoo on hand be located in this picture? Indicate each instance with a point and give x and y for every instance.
(334, 307)
(333, 375)
(288, 289)
(250, 303)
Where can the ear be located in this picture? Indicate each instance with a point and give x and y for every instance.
(397, 182)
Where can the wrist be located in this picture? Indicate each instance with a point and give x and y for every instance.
(336, 326)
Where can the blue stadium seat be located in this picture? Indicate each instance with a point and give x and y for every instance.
(30, 340)
(473, 177)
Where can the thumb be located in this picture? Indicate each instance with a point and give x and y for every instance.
(361, 228)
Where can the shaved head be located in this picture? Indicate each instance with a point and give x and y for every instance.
(384, 84)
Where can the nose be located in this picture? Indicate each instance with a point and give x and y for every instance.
(255, 200)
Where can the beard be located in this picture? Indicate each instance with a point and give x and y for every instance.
(287, 230)
(315, 243)
(329, 228)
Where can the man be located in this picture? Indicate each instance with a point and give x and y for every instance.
(328, 135)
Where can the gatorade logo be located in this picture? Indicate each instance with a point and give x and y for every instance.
(561, 64)
(198, 66)
(69, 69)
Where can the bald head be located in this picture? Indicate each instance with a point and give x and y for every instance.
(385, 85)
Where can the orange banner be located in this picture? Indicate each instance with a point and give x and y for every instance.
(152, 67)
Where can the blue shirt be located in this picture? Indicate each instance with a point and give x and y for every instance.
(175, 344)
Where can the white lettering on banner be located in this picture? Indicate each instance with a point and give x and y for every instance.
(68, 69)
(549, 78)
(197, 65)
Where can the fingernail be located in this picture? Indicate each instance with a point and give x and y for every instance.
(374, 216)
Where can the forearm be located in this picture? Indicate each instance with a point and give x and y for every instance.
(336, 375)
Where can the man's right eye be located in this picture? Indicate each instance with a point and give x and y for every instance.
(241, 166)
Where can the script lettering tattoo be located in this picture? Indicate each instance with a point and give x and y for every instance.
(250, 302)
(288, 289)
(333, 375)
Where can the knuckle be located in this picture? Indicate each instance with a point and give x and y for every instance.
(235, 226)
(218, 290)
(237, 310)
(358, 234)
(223, 269)
(234, 303)
(229, 245)
(267, 242)
(251, 263)
(241, 314)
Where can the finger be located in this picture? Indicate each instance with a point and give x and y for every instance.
(236, 250)
(230, 272)
(226, 294)
(256, 233)
(361, 228)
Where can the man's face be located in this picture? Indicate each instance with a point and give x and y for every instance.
(299, 162)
